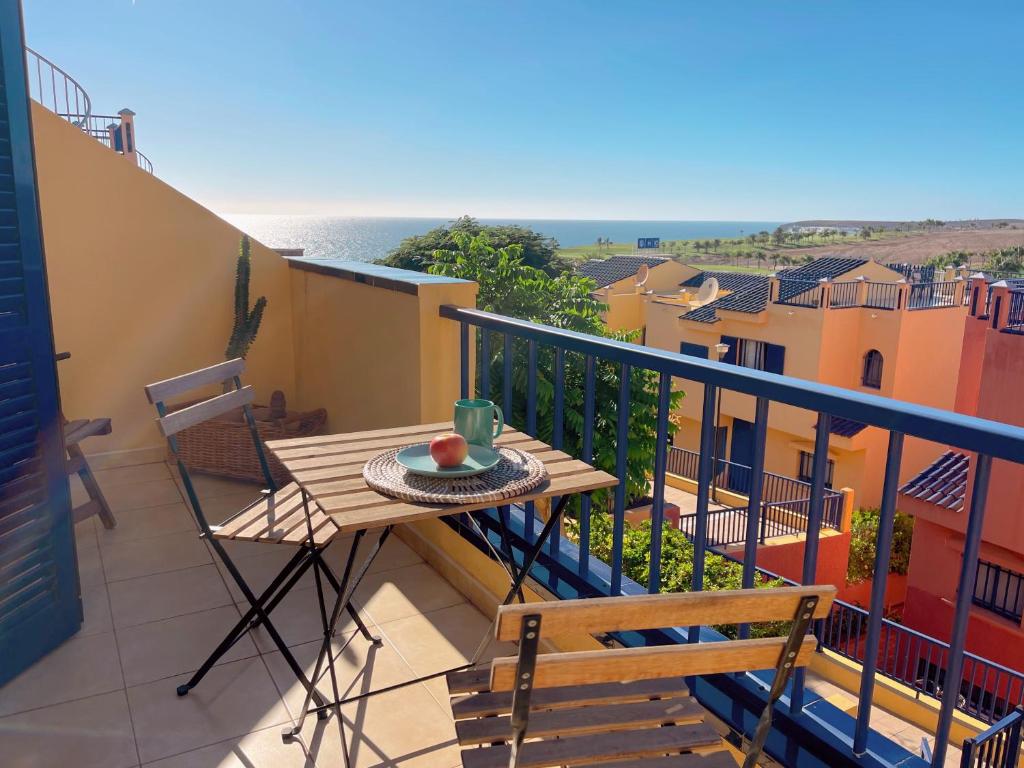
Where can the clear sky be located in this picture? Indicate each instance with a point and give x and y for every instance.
(717, 109)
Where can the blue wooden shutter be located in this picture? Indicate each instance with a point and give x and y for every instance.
(774, 358)
(695, 350)
(730, 356)
(39, 594)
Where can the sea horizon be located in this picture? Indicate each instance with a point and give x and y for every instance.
(367, 238)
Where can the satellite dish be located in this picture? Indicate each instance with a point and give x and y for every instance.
(642, 274)
(707, 293)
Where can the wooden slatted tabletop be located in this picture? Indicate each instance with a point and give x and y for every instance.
(330, 469)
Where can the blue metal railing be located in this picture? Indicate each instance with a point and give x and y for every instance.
(883, 296)
(845, 294)
(799, 293)
(583, 354)
(996, 747)
(929, 295)
(999, 590)
(1015, 315)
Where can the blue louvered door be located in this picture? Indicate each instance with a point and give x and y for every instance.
(40, 605)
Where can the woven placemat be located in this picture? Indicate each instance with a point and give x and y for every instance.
(516, 473)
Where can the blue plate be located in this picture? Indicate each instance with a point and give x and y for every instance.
(416, 459)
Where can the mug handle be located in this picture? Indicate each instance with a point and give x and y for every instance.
(501, 420)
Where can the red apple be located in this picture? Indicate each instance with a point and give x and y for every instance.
(449, 449)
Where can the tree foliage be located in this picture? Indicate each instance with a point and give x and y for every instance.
(510, 286)
(864, 534)
(676, 563)
(417, 252)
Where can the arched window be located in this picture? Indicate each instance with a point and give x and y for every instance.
(872, 375)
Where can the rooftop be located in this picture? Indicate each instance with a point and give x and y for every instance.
(750, 295)
(825, 268)
(604, 272)
(943, 483)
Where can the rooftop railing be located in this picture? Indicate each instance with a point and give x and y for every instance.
(997, 747)
(799, 293)
(930, 295)
(1015, 314)
(883, 296)
(553, 353)
(845, 294)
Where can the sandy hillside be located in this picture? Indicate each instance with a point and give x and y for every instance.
(918, 248)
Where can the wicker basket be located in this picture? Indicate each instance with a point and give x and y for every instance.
(223, 445)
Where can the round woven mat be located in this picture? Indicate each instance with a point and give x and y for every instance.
(516, 473)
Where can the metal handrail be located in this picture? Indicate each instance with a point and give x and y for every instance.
(996, 747)
(64, 95)
(799, 293)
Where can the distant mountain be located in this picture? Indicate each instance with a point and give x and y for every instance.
(959, 224)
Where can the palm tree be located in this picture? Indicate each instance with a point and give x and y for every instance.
(718, 244)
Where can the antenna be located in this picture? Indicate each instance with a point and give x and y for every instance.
(707, 293)
(642, 274)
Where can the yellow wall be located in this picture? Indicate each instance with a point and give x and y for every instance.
(626, 302)
(141, 280)
(376, 357)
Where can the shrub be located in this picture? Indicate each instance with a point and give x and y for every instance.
(864, 533)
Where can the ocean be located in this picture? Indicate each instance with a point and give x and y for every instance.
(367, 239)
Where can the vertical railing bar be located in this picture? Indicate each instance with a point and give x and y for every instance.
(704, 470)
(658, 500)
(463, 360)
(506, 385)
(883, 552)
(621, 461)
(754, 506)
(485, 363)
(531, 388)
(961, 612)
(814, 510)
(588, 457)
(557, 430)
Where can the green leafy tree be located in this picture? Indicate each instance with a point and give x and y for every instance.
(864, 534)
(676, 563)
(779, 236)
(537, 250)
(511, 287)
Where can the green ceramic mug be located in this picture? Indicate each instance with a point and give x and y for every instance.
(474, 420)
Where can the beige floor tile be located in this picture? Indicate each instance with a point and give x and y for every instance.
(95, 732)
(233, 699)
(175, 646)
(136, 473)
(360, 667)
(147, 523)
(402, 592)
(152, 493)
(219, 508)
(81, 667)
(402, 728)
(297, 619)
(96, 610)
(394, 554)
(261, 569)
(253, 750)
(165, 595)
(210, 486)
(443, 639)
(171, 552)
(90, 564)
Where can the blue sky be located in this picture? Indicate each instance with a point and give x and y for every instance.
(655, 110)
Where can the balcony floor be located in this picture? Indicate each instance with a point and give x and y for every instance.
(156, 603)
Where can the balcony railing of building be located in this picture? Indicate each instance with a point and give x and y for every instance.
(1015, 314)
(561, 366)
(784, 500)
(999, 590)
(61, 94)
(929, 295)
(883, 296)
(996, 747)
(845, 294)
(799, 293)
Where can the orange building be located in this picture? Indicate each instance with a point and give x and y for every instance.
(991, 374)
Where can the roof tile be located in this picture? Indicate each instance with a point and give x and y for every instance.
(943, 483)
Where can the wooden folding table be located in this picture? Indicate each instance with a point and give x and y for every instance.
(328, 469)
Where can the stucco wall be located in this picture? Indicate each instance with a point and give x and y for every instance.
(141, 280)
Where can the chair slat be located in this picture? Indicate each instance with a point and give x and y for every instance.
(162, 390)
(581, 750)
(184, 418)
(582, 720)
(489, 703)
(616, 614)
(720, 759)
(576, 668)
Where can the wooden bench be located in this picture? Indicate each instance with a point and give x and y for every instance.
(623, 707)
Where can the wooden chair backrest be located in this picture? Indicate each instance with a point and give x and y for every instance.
(175, 421)
(617, 614)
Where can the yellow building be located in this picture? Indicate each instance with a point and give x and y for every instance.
(852, 323)
(619, 286)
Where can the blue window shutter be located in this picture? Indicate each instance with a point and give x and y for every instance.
(694, 350)
(730, 356)
(774, 358)
(39, 593)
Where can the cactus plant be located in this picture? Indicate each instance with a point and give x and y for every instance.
(247, 322)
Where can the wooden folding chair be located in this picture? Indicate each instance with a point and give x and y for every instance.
(279, 516)
(625, 706)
